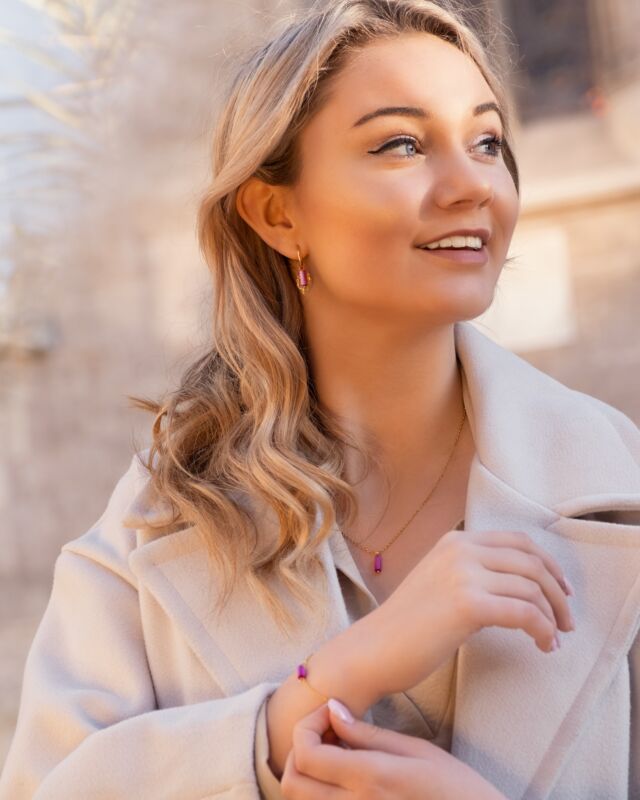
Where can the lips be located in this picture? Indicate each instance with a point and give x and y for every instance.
(438, 249)
(457, 255)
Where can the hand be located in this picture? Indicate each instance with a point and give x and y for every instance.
(371, 763)
(469, 580)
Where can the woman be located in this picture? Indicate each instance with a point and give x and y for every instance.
(274, 548)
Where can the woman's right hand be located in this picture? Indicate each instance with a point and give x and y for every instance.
(468, 581)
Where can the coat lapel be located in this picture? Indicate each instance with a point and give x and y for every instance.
(175, 570)
(518, 710)
(545, 455)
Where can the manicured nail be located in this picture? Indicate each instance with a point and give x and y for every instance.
(570, 590)
(341, 711)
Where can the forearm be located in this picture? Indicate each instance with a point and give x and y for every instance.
(340, 668)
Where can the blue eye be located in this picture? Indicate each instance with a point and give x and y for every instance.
(496, 143)
(406, 140)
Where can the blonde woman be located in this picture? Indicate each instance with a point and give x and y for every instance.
(356, 498)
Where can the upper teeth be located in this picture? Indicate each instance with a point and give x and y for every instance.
(457, 241)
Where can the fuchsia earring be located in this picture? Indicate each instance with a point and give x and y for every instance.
(303, 278)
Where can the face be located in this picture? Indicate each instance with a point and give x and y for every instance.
(369, 193)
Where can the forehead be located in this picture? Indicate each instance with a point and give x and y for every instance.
(410, 69)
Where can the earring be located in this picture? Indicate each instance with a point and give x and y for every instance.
(303, 278)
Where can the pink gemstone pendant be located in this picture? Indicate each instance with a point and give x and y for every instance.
(303, 280)
(377, 563)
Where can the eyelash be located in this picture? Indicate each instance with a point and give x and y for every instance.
(496, 141)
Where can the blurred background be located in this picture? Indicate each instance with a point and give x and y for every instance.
(105, 112)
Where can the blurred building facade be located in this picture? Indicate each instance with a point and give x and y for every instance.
(569, 304)
(128, 297)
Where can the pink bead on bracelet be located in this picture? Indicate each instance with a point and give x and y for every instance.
(302, 676)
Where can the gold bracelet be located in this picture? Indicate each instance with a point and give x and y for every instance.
(302, 676)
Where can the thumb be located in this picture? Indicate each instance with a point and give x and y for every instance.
(362, 735)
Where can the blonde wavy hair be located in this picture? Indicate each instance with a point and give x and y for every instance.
(245, 428)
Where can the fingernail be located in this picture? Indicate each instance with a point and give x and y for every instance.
(557, 641)
(569, 585)
(340, 710)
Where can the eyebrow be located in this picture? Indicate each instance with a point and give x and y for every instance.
(414, 111)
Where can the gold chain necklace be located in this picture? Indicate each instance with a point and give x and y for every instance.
(377, 561)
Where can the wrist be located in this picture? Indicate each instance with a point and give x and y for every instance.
(344, 667)
(340, 668)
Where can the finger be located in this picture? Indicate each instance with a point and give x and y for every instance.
(517, 587)
(362, 735)
(324, 762)
(509, 560)
(317, 724)
(512, 612)
(295, 785)
(522, 541)
(506, 584)
(373, 750)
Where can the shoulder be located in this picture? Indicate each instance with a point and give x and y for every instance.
(113, 536)
(548, 441)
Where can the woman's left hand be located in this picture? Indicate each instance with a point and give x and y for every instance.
(379, 764)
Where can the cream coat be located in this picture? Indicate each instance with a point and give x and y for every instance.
(131, 690)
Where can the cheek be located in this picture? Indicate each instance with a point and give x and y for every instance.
(361, 218)
(506, 207)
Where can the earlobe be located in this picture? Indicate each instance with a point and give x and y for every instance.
(261, 206)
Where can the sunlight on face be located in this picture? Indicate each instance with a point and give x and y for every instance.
(369, 193)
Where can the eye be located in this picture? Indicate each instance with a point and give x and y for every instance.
(399, 140)
(495, 142)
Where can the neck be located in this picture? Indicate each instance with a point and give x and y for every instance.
(398, 393)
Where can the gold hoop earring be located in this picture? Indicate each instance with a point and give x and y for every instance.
(303, 277)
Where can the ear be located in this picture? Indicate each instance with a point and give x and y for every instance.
(266, 209)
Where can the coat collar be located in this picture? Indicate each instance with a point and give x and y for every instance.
(545, 455)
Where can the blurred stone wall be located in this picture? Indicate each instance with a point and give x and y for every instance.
(129, 297)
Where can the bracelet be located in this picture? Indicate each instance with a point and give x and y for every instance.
(302, 676)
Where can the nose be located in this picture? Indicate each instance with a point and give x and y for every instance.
(459, 180)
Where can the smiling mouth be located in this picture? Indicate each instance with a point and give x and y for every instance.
(435, 249)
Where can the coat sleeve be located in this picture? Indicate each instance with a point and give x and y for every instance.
(270, 788)
(88, 723)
